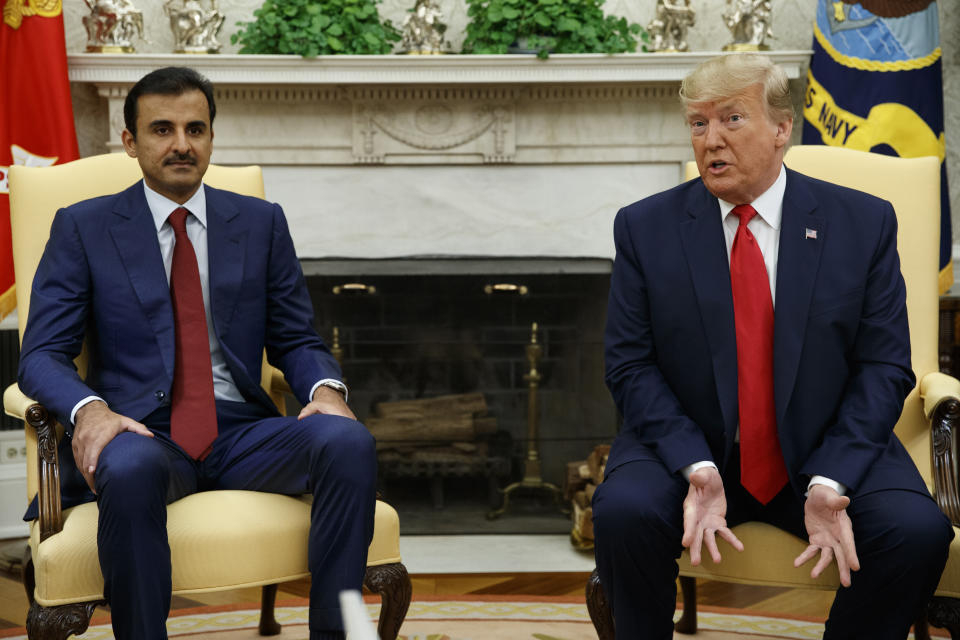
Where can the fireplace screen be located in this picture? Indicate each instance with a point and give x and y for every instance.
(473, 383)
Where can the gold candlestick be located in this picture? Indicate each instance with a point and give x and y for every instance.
(531, 467)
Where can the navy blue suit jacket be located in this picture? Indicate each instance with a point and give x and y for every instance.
(841, 342)
(102, 278)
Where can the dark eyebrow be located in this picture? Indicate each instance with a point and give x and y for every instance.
(168, 123)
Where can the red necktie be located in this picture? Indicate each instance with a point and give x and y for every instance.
(193, 413)
(762, 470)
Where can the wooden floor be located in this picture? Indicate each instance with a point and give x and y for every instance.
(13, 600)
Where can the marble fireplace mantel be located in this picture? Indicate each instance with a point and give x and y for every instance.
(400, 156)
(407, 70)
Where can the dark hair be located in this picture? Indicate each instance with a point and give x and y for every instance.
(166, 81)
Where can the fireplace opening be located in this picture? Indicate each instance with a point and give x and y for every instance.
(440, 356)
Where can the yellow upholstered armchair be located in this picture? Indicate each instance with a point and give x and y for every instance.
(208, 531)
(931, 413)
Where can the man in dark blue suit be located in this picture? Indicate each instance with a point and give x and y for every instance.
(733, 412)
(105, 274)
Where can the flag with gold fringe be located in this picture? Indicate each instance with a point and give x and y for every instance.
(36, 114)
(875, 84)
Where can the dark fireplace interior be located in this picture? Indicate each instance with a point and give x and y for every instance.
(419, 329)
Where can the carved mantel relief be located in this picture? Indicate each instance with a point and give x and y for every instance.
(415, 125)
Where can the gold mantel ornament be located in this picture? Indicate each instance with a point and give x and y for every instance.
(112, 26)
(423, 30)
(14, 11)
(749, 22)
(195, 25)
(668, 29)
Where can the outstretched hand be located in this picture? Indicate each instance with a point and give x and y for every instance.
(705, 515)
(831, 533)
(96, 425)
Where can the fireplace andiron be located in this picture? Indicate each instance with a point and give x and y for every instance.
(531, 467)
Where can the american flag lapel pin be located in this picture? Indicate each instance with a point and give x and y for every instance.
(810, 234)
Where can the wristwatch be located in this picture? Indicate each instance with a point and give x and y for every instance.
(336, 385)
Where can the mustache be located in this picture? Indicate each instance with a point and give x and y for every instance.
(179, 158)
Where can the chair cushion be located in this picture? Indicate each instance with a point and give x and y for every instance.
(768, 556)
(767, 560)
(218, 540)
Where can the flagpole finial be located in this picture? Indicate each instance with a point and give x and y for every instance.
(14, 11)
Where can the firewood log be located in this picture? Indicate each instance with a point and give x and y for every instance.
(472, 404)
(431, 429)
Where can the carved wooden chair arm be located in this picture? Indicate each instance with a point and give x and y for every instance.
(33, 414)
(941, 405)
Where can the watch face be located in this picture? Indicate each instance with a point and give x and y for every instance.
(336, 386)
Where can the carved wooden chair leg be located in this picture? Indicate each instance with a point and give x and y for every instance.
(56, 623)
(688, 620)
(393, 584)
(945, 613)
(268, 621)
(599, 608)
(921, 630)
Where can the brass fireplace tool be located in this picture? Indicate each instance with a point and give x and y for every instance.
(531, 467)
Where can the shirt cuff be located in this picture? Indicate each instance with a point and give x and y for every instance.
(690, 468)
(827, 482)
(83, 403)
(333, 383)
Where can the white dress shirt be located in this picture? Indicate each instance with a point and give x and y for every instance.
(765, 227)
(224, 388)
(161, 207)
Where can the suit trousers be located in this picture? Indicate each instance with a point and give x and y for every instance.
(902, 540)
(332, 457)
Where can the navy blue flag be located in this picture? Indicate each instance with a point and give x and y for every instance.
(875, 84)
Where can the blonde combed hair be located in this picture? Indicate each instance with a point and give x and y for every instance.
(730, 75)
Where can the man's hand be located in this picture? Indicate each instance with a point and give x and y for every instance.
(705, 514)
(830, 531)
(328, 401)
(96, 425)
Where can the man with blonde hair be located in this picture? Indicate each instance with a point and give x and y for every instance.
(733, 412)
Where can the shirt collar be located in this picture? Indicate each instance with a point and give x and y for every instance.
(769, 205)
(161, 206)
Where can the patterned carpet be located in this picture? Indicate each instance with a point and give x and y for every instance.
(465, 618)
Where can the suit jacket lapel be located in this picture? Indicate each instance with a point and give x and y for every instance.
(135, 237)
(225, 248)
(706, 254)
(801, 241)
